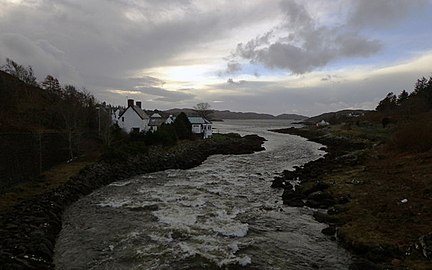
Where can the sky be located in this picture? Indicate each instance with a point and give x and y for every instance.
(268, 56)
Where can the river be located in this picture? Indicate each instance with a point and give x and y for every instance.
(221, 214)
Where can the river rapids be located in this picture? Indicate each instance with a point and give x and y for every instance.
(219, 215)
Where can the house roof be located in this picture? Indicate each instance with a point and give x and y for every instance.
(138, 111)
(198, 120)
(156, 121)
(156, 115)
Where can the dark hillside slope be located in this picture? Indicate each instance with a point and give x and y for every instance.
(22, 107)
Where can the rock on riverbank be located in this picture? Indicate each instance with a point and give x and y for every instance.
(28, 231)
(360, 190)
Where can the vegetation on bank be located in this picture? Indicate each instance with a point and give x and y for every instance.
(379, 197)
(82, 124)
(79, 127)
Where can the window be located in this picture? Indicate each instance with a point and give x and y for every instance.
(135, 130)
(122, 119)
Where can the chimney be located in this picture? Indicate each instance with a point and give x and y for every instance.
(130, 102)
(138, 103)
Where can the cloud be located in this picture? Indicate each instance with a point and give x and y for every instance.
(300, 44)
(233, 67)
(118, 39)
(44, 57)
(161, 94)
(231, 81)
(383, 13)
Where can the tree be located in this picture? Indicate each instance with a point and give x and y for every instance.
(24, 74)
(182, 126)
(403, 96)
(77, 110)
(203, 109)
(389, 103)
(52, 84)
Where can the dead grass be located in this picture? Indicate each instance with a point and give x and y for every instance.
(49, 180)
(366, 132)
(377, 215)
(413, 137)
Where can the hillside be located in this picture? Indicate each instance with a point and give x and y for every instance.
(42, 127)
(226, 114)
(25, 107)
(336, 117)
(21, 104)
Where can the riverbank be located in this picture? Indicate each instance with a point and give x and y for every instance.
(377, 202)
(28, 229)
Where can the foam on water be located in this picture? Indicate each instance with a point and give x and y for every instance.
(120, 184)
(222, 212)
(114, 202)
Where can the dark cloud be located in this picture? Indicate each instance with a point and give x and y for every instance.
(233, 67)
(305, 45)
(44, 57)
(383, 13)
(115, 39)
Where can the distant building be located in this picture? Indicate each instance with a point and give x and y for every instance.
(155, 121)
(323, 123)
(201, 125)
(170, 120)
(115, 116)
(133, 118)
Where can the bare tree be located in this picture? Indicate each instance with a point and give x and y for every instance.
(25, 74)
(203, 109)
(72, 108)
(105, 123)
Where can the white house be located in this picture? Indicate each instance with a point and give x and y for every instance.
(170, 120)
(133, 118)
(115, 116)
(201, 125)
(323, 123)
(155, 121)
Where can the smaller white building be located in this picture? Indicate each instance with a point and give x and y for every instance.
(170, 120)
(115, 116)
(323, 123)
(201, 125)
(133, 118)
(155, 121)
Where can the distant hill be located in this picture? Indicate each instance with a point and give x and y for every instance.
(335, 116)
(220, 115)
(291, 116)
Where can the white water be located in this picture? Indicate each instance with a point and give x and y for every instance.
(220, 214)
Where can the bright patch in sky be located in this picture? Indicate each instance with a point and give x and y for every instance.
(278, 56)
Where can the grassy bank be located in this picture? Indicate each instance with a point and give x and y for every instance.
(387, 214)
(31, 219)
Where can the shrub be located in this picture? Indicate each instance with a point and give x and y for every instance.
(165, 135)
(123, 150)
(413, 137)
(183, 127)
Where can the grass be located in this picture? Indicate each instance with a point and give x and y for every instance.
(401, 168)
(49, 180)
(370, 132)
(413, 137)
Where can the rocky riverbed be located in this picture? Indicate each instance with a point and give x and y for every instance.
(351, 186)
(28, 231)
